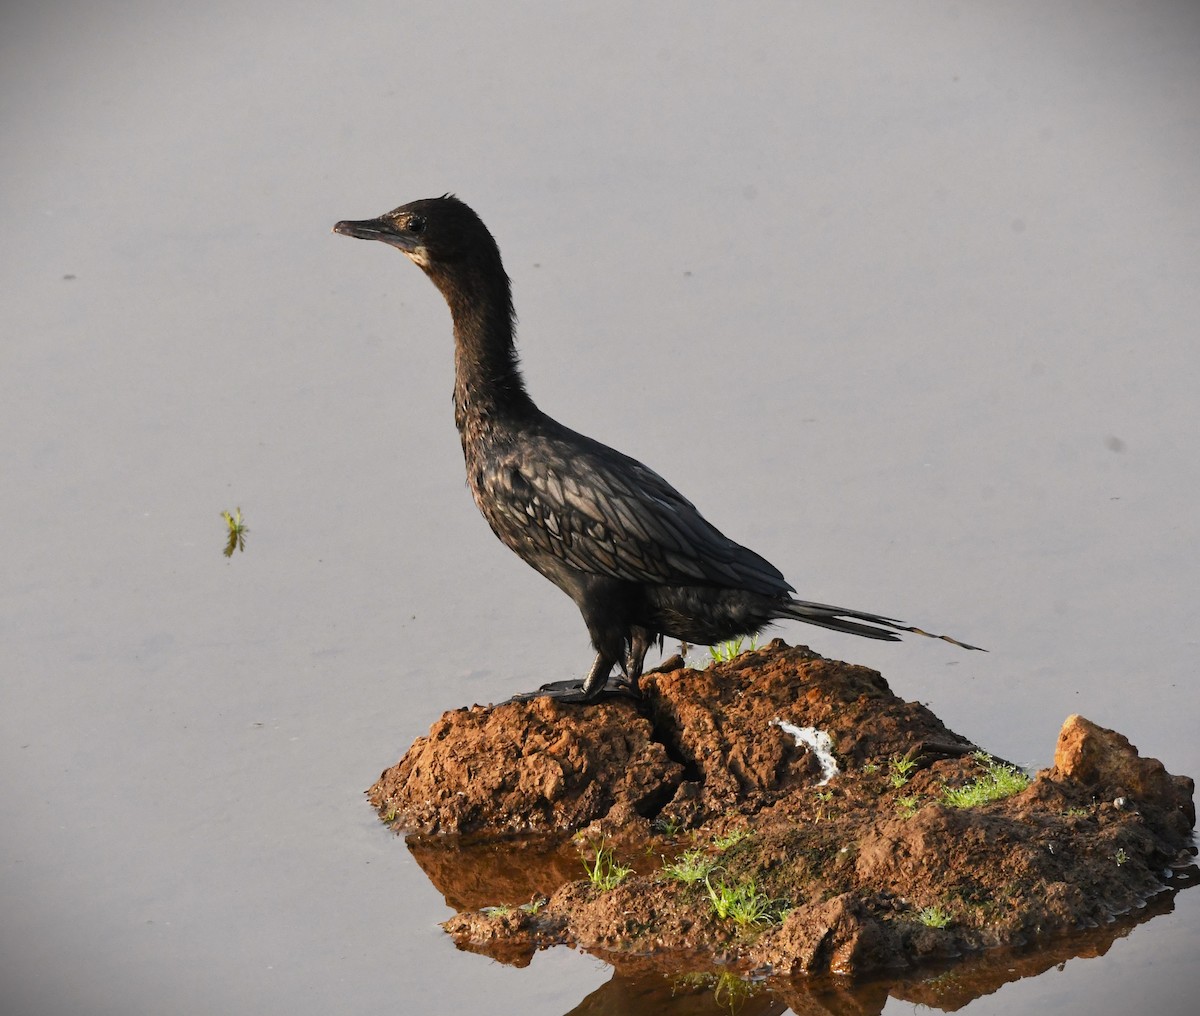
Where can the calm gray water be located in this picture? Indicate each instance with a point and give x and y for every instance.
(904, 296)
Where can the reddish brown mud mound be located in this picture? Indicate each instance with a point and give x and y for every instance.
(527, 767)
(701, 744)
(869, 868)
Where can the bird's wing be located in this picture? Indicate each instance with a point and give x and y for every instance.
(604, 513)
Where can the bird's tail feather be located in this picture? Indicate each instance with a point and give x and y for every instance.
(852, 621)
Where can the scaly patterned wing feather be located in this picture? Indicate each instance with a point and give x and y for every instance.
(604, 513)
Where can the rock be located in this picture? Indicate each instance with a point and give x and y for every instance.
(528, 766)
(871, 870)
(705, 743)
(838, 936)
(1105, 761)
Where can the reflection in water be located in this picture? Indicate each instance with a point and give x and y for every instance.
(636, 990)
(472, 876)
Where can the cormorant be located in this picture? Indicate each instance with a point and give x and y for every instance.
(634, 554)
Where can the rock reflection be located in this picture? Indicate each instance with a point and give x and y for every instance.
(472, 874)
(503, 874)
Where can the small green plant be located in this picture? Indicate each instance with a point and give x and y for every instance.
(504, 909)
(742, 903)
(603, 871)
(689, 867)
(732, 838)
(900, 770)
(1121, 857)
(907, 806)
(1076, 813)
(668, 826)
(389, 816)
(997, 782)
(870, 768)
(237, 532)
(823, 798)
(934, 917)
(723, 652)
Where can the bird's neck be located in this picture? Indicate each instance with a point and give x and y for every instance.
(487, 376)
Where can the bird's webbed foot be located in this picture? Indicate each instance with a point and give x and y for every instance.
(574, 693)
(597, 686)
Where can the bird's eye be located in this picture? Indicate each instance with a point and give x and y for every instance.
(415, 224)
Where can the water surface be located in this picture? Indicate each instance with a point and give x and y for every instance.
(904, 297)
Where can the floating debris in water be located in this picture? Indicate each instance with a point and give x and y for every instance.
(237, 532)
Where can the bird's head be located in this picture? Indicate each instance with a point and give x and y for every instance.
(434, 233)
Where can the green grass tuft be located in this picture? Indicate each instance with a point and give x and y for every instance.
(742, 903)
(723, 652)
(934, 917)
(689, 867)
(732, 838)
(997, 782)
(900, 769)
(603, 871)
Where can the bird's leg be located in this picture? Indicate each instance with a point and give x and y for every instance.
(610, 651)
(640, 641)
(597, 677)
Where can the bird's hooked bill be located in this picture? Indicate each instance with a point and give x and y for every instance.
(376, 229)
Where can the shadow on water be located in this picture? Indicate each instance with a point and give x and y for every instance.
(475, 875)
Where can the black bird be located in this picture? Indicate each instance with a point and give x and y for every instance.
(634, 554)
